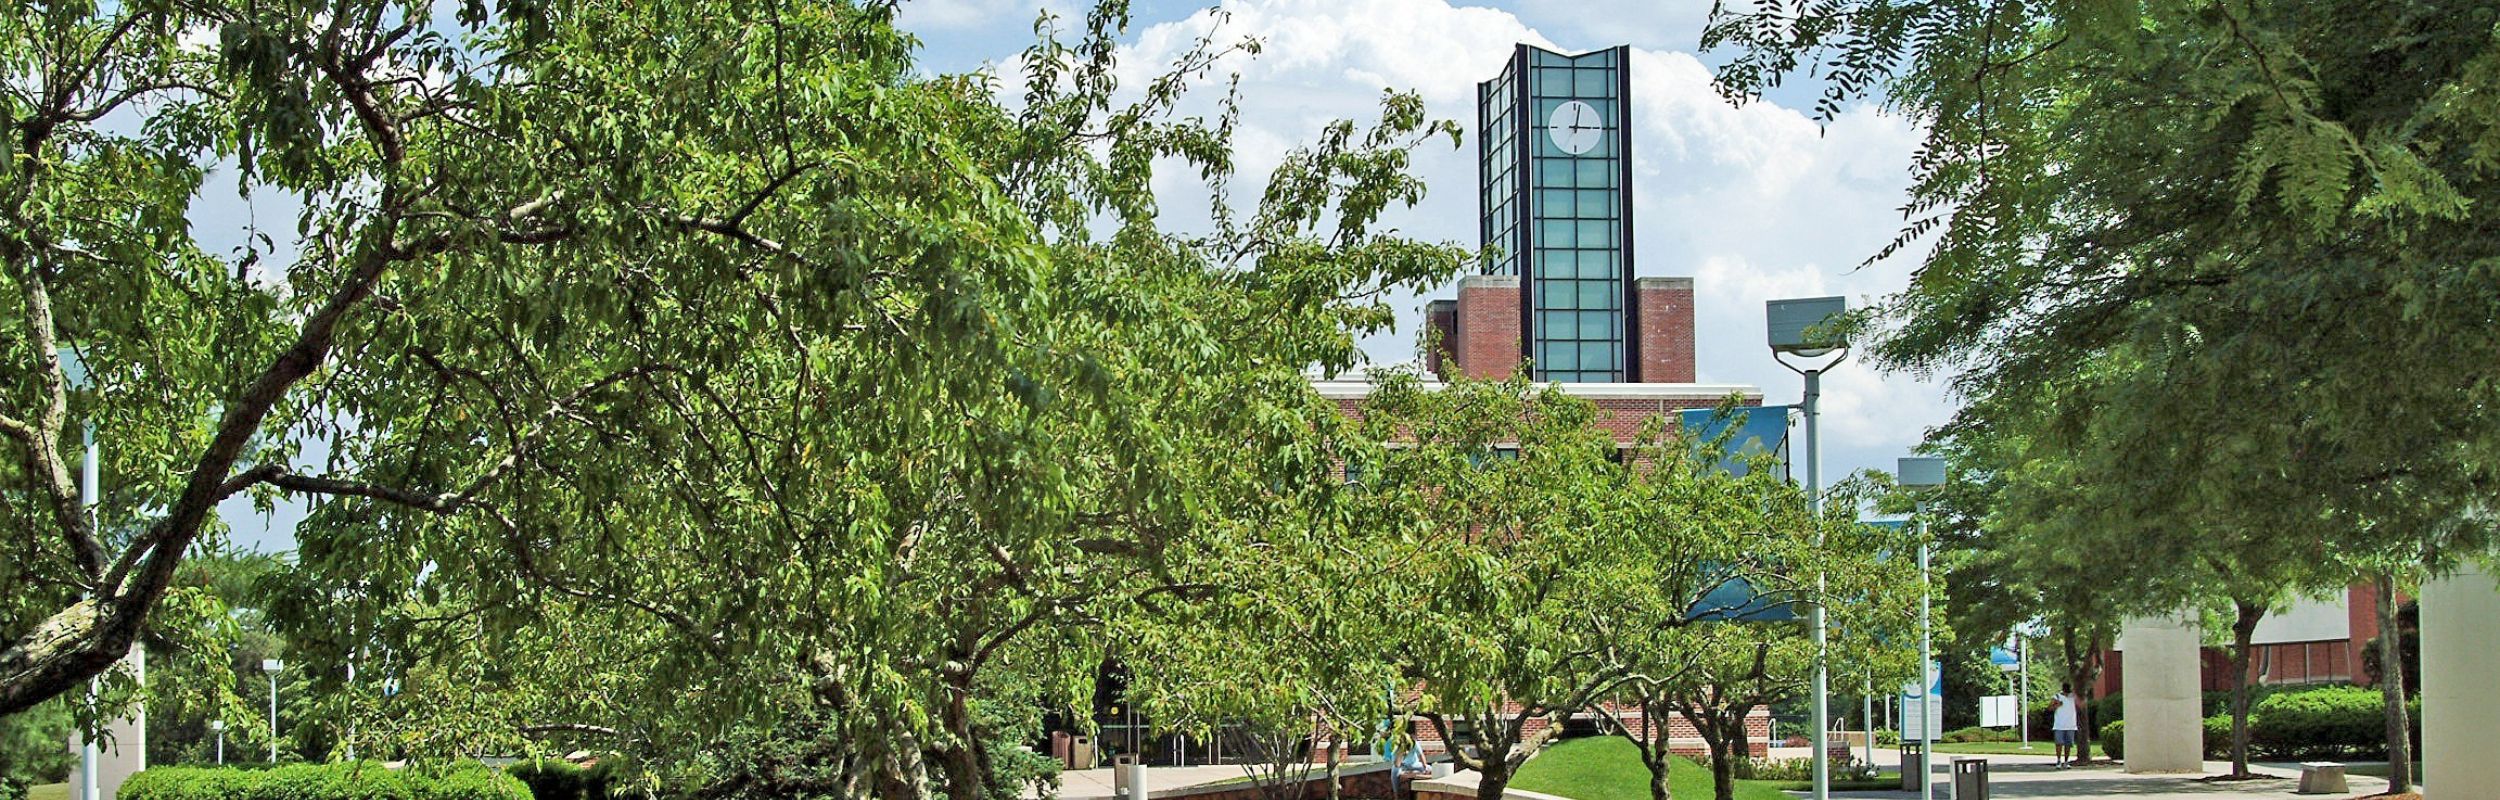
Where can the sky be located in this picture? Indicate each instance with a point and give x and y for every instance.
(1754, 203)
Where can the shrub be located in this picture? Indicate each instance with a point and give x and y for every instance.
(1887, 737)
(552, 779)
(362, 780)
(614, 777)
(1976, 734)
(2341, 720)
(2218, 734)
(2113, 739)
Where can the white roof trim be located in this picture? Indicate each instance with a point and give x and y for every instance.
(1343, 389)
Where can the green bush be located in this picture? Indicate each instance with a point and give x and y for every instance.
(1976, 734)
(2218, 734)
(1887, 737)
(614, 777)
(2113, 739)
(2342, 720)
(2327, 721)
(552, 779)
(363, 780)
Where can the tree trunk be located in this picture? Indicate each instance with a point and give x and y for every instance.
(1493, 779)
(2392, 687)
(2082, 672)
(961, 758)
(1723, 757)
(2243, 631)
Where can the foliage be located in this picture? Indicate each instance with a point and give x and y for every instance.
(2337, 721)
(2209, 249)
(686, 378)
(552, 779)
(34, 745)
(358, 780)
(1977, 734)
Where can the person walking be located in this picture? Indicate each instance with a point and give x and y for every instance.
(2063, 722)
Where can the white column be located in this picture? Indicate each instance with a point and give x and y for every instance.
(2162, 678)
(2460, 682)
(123, 751)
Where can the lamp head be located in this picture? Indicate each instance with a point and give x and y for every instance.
(1921, 472)
(1802, 326)
(272, 666)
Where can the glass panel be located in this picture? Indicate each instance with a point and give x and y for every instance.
(1597, 356)
(1596, 233)
(1559, 294)
(1593, 82)
(1555, 202)
(1597, 203)
(1554, 233)
(1555, 324)
(1553, 172)
(1596, 294)
(1597, 173)
(1597, 325)
(1597, 264)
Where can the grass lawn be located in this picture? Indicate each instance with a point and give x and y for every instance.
(48, 791)
(2004, 749)
(1609, 768)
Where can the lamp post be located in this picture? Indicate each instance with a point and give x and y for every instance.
(1802, 328)
(74, 374)
(273, 667)
(1923, 473)
(219, 726)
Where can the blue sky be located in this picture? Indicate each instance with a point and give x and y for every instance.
(1754, 202)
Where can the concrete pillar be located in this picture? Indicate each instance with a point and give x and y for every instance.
(2165, 730)
(2460, 683)
(123, 750)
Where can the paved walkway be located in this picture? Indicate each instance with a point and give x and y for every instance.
(2039, 777)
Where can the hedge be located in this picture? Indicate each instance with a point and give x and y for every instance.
(551, 778)
(2336, 721)
(614, 777)
(2217, 737)
(361, 780)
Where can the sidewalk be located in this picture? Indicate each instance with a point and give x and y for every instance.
(2039, 777)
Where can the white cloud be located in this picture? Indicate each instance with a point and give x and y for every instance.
(1755, 202)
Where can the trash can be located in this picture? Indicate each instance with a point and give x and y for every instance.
(1970, 779)
(1913, 765)
(1128, 777)
(1081, 754)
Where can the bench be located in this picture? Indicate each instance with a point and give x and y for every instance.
(2322, 777)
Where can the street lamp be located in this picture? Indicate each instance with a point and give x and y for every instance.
(1919, 472)
(273, 667)
(74, 374)
(219, 726)
(1803, 328)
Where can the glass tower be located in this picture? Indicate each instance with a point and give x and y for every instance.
(1556, 176)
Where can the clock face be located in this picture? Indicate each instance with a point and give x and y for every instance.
(1575, 127)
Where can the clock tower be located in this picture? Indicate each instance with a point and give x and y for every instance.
(1556, 177)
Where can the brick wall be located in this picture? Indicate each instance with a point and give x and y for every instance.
(1664, 329)
(1441, 317)
(1487, 326)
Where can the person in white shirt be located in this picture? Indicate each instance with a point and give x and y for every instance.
(2064, 722)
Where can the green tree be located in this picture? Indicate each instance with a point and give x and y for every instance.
(1501, 498)
(2233, 195)
(1706, 555)
(685, 375)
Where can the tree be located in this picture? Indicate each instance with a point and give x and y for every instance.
(1502, 497)
(718, 360)
(1710, 565)
(2233, 194)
